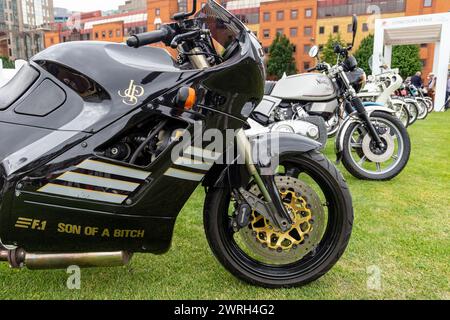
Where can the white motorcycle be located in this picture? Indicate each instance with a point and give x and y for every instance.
(381, 89)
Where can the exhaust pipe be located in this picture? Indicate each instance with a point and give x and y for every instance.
(19, 258)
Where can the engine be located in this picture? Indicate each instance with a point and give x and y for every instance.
(142, 146)
(293, 117)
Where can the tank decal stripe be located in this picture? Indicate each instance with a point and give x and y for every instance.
(185, 175)
(113, 169)
(82, 193)
(98, 181)
(206, 155)
(194, 164)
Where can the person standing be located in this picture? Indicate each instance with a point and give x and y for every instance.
(416, 80)
(431, 86)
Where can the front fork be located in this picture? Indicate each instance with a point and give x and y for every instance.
(273, 207)
(356, 104)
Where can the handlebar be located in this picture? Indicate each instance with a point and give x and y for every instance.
(147, 38)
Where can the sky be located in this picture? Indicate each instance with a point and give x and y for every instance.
(88, 5)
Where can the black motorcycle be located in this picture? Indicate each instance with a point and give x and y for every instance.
(97, 164)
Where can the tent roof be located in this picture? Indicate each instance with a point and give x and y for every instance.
(414, 29)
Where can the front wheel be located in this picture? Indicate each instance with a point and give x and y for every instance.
(402, 113)
(423, 109)
(363, 158)
(413, 112)
(430, 104)
(317, 197)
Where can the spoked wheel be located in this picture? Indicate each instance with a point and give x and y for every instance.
(423, 109)
(402, 113)
(365, 160)
(320, 206)
(413, 112)
(430, 104)
(333, 126)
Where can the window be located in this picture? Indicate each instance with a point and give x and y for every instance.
(118, 33)
(308, 13)
(158, 26)
(96, 35)
(157, 12)
(280, 31)
(423, 45)
(307, 31)
(306, 66)
(110, 33)
(266, 33)
(335, 29)
(365, 27)
(266, 16)
(349, 28)
(266, 50)
(321, 30)
(427, 3)
(280, 15)
(294, 14)
(424, 63)
(306, 48)
(293, 32)
(104, 34)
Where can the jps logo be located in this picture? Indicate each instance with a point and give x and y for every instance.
(33, 224)
(130, 96)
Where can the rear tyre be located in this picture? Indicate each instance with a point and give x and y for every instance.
(316, 261)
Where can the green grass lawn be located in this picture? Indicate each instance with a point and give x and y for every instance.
(402, 227)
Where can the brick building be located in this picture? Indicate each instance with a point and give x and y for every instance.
(296, 19)
(304, 22)
(94, 26)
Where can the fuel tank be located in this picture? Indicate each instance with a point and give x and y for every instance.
(305, 87)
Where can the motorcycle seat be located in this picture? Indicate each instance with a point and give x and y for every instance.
(268, 87)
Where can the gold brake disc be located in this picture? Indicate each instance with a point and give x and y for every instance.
(307, 212)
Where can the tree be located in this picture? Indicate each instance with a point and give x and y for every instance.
(364, 53)
(281, 58)
(327, 53)
(7, 64)
(405, 58)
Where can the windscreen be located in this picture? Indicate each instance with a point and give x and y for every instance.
(225, 28)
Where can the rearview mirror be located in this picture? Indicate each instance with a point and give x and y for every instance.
(354, 28)
(314, 51)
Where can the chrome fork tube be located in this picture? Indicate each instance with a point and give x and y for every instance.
(245, 149)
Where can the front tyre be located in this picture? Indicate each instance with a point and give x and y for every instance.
(263, 256)
(365, 160)
(423, 109)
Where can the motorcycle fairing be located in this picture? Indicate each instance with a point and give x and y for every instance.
(46, 208)
(65, 70)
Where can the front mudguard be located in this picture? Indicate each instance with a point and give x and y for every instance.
(370, 108)
(269, 146)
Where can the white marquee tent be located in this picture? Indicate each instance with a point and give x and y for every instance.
(433, 28)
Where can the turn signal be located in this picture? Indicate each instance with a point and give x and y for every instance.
(186, 98)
